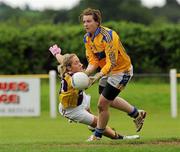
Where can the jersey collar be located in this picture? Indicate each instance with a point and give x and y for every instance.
(95, 34)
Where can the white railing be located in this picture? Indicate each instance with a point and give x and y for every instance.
(52, 92)
(173, 92)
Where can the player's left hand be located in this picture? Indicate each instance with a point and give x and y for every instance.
(55, 50)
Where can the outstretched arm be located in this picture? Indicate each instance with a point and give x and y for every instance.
(90, 69)
(59, 58)
(56, 51)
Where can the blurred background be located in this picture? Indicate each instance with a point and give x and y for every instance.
(149, 31)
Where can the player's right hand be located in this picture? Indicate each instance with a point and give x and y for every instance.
(55, 50)
(93, 79)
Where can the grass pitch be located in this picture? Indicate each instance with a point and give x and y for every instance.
(160, 132)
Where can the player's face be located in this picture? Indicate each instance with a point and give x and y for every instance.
(76, 65)
(90, 25)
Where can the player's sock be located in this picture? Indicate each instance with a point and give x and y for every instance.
(119, 137)
(134, 113)
(98, 132)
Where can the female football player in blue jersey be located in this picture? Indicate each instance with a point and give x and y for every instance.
(105, 51)
(75, 104)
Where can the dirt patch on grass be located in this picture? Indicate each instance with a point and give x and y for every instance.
(101, 143)
(104, 143)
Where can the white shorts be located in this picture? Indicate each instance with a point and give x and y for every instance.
(116, 79)
(79, 113)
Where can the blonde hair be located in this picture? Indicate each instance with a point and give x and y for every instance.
(67, 61)
(94, 12)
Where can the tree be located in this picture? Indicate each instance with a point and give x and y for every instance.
(129, 10)
(170, 11)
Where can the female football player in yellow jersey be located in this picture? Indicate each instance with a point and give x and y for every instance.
(74, 103)
(104, 50)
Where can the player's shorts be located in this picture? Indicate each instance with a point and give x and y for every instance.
(118, 80)
(110, 86)
(79, 113)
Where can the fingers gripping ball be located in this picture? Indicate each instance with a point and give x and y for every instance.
(80, 81)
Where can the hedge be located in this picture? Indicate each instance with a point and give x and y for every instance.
(153, 49)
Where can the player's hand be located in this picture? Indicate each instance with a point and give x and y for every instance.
(55, 50)
(95, 78)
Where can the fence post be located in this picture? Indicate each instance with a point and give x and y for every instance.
(52, 89)
(173, 87)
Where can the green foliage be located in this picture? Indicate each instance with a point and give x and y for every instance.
(116, 10)
(152, 48)
(170, 11)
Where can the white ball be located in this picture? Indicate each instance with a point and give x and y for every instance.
(80, 80)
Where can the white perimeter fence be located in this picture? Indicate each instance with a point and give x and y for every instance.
(52, 89)
(173, 91)
(173, 75)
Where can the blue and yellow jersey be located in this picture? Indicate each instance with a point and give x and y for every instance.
(105, 50)
(68, 96)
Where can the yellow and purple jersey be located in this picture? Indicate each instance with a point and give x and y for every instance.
(105, 50)
(68, 96)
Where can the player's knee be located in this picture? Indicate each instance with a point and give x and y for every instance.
(103, 106)
(100, 108)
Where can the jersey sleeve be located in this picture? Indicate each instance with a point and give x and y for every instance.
(91, 58)
(111, 51)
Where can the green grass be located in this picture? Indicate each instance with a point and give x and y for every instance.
(160, 133)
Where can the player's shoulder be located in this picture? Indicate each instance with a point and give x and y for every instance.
(67, 76)
(85, 37)
(107, 33)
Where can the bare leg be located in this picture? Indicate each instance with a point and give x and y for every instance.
(138, 115)
(121, 104)
(103, 107)
(108, 132)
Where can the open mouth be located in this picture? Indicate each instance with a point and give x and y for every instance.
(86, 28)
